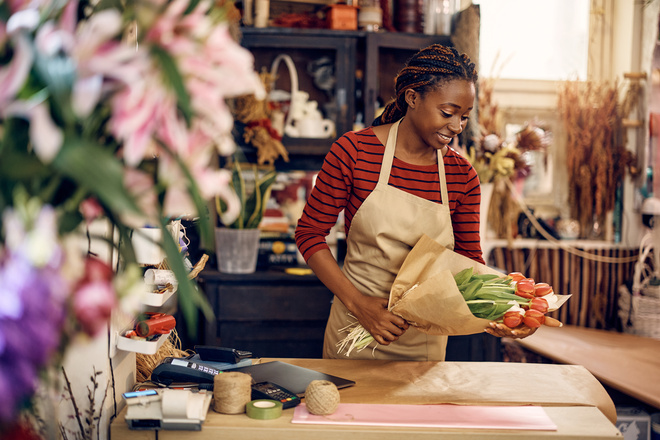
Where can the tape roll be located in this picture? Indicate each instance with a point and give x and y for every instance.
(263, 409)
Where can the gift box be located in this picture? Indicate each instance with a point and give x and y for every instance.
(342, 17)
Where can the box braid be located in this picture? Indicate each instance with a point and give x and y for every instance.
(426, 70)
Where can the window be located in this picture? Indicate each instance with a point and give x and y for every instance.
(534, 39)
(528, 47)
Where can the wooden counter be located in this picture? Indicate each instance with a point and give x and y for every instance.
(570, 395)
(627, 363)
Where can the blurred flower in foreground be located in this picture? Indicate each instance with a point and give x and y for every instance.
(97, 127)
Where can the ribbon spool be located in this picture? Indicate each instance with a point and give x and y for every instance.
(231, 392)
(156, 324)
(264, 409)
(321, 397)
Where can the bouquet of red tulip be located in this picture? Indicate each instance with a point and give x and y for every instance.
(513, 299)
(440, 292)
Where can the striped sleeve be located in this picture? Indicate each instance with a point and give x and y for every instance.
(328, 197)
(349, 174)
(465, 193)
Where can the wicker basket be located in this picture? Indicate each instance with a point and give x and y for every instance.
(639, 314)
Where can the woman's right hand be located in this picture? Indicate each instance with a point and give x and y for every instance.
(370, 311)
(382, 324)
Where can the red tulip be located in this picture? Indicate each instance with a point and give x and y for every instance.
(525, 288)
(542, 289)
(539, 304)
(533, 318)
(512, 319)
(516, 276)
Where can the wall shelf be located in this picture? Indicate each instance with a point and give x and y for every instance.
(141, 345)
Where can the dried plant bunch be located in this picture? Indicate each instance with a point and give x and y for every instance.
(255, 114)
(591, 116)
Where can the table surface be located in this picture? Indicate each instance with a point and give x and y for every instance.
(625, 362)
(571, 396)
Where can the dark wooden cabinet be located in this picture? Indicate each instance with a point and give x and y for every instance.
(270, 313)
(365, 65)
(274, 314)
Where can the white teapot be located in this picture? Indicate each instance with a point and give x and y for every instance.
(305, 119)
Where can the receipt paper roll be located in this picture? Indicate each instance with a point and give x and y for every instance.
(263, 409)
(175, 404)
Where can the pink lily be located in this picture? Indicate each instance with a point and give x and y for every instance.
(13, 76)
(46, 137)
(137, 111)
(141, 186)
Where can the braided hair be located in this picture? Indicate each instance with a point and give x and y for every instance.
(428, 69)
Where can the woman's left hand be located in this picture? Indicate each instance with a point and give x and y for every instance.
(502, 331)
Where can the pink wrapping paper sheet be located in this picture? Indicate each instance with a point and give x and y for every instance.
(432, 416)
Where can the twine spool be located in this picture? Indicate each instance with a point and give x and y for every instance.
(321, 397)
(231, 392)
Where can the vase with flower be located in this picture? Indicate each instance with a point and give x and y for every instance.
(238, 235)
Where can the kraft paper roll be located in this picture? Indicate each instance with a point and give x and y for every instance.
(321, 397)
(264, 409)
(231, 392)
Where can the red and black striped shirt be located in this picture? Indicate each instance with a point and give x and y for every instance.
(350, 172)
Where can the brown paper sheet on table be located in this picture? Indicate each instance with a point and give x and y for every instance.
(425, 294)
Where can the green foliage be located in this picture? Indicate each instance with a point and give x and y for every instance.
(252, 186)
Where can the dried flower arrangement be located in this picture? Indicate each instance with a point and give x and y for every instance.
(255, 114)
(596, 157)
(88, 421)
(497, 160)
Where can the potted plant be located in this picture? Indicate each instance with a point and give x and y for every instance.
(237, 236)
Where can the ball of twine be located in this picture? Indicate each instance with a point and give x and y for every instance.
(231, 392)
(321, 397)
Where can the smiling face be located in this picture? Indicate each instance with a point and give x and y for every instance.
(439, 115)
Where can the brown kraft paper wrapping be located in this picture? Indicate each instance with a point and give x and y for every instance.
(425, 294)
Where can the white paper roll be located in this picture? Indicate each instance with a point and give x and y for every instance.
(159, 277)
(175, 404)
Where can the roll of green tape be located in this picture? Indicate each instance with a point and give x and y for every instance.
(263, 409)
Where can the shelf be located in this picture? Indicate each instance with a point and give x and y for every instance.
(307, 146)
(379, 55)
(153, 299)
(249, 32)
(141, 346)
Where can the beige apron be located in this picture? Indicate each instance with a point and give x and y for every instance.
(385, 228)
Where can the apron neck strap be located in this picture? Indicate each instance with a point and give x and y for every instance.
(443, 179)
(388, 158)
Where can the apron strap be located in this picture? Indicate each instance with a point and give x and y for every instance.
(443, 179)
(388, 158)
(388, 155)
